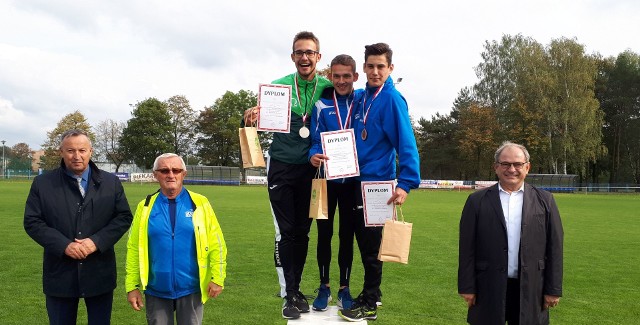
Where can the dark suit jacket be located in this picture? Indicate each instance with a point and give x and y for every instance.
(482, 268)
(55, 214)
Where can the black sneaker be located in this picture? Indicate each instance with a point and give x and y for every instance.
(300, 301)
(358, 312)
(289, 309)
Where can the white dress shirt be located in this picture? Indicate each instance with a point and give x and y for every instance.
(512, 210)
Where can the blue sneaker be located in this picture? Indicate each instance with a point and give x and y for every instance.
(345, 301)
(321, 303)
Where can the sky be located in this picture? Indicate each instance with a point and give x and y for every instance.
(101, 57)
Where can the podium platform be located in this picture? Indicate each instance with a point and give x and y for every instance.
(330, 316)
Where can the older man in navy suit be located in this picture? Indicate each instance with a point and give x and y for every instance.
(510, 262)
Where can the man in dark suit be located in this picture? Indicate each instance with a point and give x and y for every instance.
(510, 260)
(77, 213)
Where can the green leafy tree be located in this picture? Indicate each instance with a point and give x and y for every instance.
(477, 140)
(497, 74)
(619, 94)
(217, 125)
(513, 79)
(182, 124)
(107, 144)
(574, 131)
(7, 157)
(148, 133)
(526, 115)
(76, 120)
(544, 99)
(20, 157)
(438, 148)
(464, 99)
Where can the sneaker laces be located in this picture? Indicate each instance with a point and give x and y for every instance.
(300, 296)
(360, 301)
(287, 300)
(319, 290)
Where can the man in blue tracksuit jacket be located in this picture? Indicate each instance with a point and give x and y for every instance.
(383, 132)
(176, 253)
(333, 112)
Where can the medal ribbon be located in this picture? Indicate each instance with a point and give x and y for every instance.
(350, 106)
(375, 95)
(315, 87)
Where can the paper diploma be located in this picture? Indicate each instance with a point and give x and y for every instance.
(340, 147)
(374, 198)
(275, 108)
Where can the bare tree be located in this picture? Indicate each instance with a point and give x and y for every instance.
(107, 143)
(182, 124)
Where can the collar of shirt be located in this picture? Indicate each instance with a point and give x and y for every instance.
(85, 176)
(179, 198)
(521, 189)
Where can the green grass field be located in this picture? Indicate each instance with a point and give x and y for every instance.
(601, 267)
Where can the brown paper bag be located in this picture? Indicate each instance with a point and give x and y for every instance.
(318, 206)
(396, 241)
(250, 148)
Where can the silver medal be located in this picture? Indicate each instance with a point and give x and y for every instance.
(304, 132)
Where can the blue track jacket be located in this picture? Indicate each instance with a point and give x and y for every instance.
(389, 131)
(165, 262)
(324, 118)
(174, 272)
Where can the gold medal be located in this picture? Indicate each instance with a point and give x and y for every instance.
(363, 135)
(304, 132)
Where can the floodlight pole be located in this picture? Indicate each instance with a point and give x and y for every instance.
(3, 164)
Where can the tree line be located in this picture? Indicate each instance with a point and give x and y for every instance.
(208, 137)
(577, 113)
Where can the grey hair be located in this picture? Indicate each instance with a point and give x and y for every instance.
(511, 144)
(167, 155)
(73, 133)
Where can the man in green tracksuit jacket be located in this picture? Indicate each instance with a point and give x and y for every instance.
(289, 173)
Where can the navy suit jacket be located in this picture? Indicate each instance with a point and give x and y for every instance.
(56, 213)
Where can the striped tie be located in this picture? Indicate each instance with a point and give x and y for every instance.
(80, 186)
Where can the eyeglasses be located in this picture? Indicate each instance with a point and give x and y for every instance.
(309, 53)
(516, 165)
(166, 171)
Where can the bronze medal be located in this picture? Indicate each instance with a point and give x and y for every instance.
(363, 135)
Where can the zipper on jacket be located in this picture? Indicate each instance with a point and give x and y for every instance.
(198, 244)
(173, 256)
(173, 262)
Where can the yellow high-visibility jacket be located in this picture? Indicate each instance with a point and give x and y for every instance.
(211, 250)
